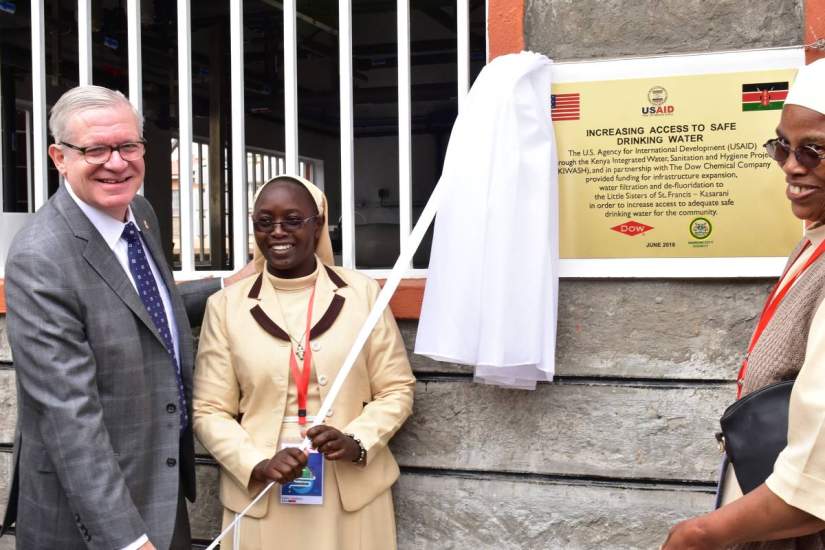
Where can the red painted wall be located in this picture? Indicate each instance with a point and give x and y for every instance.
(505, 27)
(814, 27)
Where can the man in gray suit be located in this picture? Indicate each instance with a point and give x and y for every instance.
(102, 348)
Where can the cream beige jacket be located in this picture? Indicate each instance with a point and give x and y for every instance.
(242, 376)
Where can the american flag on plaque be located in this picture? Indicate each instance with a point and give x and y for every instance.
(565, 106)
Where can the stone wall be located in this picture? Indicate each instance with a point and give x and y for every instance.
(621, 445)
(583, 29)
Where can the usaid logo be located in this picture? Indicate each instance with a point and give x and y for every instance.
(657, 97)
(631, 228)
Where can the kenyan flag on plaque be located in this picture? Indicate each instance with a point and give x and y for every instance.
(764, 96)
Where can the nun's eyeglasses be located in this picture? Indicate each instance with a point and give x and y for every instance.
(266, 225)
(808, 156)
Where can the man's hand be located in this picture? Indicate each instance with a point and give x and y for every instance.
(333, 444)
(243, 273)
(285, 466)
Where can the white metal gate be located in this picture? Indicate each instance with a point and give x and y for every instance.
(238, 153)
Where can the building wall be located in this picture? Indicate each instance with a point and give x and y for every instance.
(584, 29)
(622, 445)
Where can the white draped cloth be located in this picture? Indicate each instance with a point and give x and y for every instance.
(492, 285)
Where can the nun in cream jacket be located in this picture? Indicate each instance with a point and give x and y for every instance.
(244, 395)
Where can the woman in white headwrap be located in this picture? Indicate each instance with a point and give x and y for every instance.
(787, 512)
(270, 348)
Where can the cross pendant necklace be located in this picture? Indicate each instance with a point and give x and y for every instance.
(299, 346)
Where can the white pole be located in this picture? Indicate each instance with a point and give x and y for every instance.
(239, 198)
(347, 135)
(290, 88)
(135, 61)
(404, 124)
(84, 42)
(187, 247)
(41, 183)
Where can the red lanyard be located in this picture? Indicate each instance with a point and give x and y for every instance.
(774, 298)
(302, 376)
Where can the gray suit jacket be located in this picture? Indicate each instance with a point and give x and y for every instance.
(99, 456)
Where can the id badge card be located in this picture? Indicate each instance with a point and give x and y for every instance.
(309, 488)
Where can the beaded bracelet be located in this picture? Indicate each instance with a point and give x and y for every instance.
(362, 452)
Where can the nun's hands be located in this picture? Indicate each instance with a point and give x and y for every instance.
(333, 444)
(285, 466)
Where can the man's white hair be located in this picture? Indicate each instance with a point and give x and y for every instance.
(85, 98)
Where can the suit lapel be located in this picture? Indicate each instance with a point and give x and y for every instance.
(101, 258)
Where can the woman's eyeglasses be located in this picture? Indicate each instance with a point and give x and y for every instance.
(808, 156)
(265, 225)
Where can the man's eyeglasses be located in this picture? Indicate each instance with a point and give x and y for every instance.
(265, 225)
(808, 156)
(100, 154)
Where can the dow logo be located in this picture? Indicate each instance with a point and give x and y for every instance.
(631, 228)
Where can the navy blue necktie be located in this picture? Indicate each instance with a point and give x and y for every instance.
(148, 290)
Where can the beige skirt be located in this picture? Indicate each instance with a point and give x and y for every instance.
(317, 527)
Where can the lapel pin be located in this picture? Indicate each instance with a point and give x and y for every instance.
(146, 225)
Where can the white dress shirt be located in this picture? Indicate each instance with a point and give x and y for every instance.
(112, 230)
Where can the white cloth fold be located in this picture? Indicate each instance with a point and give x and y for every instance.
(492, 283)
